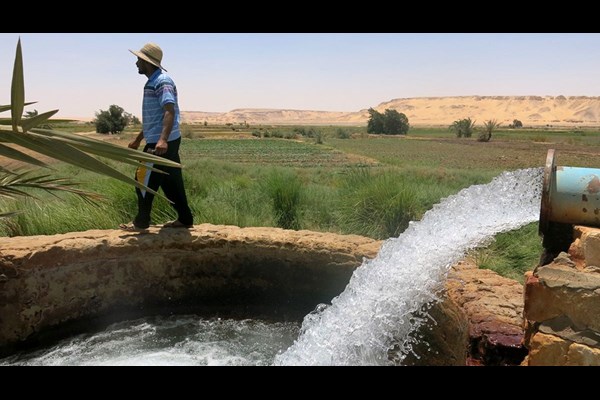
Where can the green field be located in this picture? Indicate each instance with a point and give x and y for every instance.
(370, 185)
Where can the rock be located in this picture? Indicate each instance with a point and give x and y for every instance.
(493, 305)
(550, 350)
(562, 305)
(559, 289)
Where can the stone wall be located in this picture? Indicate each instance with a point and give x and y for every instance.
(562, 305)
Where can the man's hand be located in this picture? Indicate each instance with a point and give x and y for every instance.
(161, 147)
(168, 120)
(134, 144)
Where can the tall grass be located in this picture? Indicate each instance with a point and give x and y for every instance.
(284, 188)
(512, 253)
(377, 205)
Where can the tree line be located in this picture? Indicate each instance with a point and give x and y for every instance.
(114, 120)
(391, 122)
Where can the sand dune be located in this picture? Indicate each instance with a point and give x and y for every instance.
(531, 110)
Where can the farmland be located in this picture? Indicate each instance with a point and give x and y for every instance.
(230, 172)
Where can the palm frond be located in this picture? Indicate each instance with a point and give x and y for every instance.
(9, 214)
(16, 184)
(8, 107)
(17, 90)
(64, 152)
(15, 154)
(28, 123)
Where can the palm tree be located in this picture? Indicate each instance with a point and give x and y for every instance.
(463, 127)
(22, 133)
(488, 128)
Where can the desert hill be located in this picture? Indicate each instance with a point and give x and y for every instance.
(531, 110)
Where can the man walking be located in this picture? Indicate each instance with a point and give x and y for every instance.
(160, 130)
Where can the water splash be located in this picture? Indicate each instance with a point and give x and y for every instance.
(175, 340)
(386, 299)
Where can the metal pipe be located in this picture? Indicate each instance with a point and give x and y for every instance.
(569, 195)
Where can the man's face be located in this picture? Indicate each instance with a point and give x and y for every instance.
(142, 66)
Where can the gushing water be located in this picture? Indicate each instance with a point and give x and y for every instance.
(175, 340)
(387, 298)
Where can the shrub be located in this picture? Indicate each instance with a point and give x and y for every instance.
(488, 128)
(379, 206)
(285, 191)
(516, 124)
(390, 123)
(113, 120)
(318, 135)
(463, 127)
(342, 133)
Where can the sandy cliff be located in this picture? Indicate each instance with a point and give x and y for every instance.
(531, 110)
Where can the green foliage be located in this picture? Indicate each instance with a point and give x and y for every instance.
(300, 131)
(377, 205)
(284, 188)
(516, 124)
(319, 137)
(113, 120)
(463, 127)
(512, 253)
(31, 114)
(390, 123)
(488, 128)
(375, 122)
(395, 123)
(342, 133)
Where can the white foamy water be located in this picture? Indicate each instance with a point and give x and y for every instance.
(175, 340)
(380, 306)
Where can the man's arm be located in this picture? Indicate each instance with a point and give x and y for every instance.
(135, 143)
(168, 121)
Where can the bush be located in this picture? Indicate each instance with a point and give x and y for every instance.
(311, 132)
(289, 135)
(285, 190)
(342, 133)
(375, 122)
(488, 128)
(300, 131)
(318, 137)
(390, 123)
(114, 120)
(516, 124)
(378, 206)
(463, 127)
(276, 133)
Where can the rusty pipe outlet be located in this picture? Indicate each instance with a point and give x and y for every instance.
(569, 195)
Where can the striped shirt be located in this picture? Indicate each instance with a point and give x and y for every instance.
(158, 91)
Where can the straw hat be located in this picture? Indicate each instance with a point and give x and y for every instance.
(152, 53)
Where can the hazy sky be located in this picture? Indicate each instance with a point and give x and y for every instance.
(80, 73)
